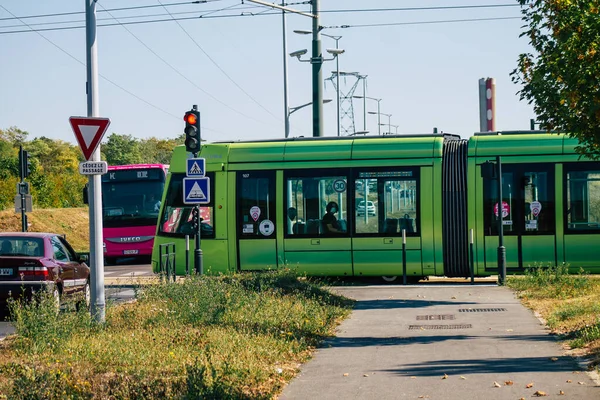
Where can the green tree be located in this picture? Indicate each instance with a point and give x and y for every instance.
(121, 150)
(154, 150)
(562, 78)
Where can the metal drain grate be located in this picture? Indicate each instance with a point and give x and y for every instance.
(438, 317)
(481, 309)
(429, 327)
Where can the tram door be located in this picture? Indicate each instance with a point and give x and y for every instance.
(255, 219)
(528, 217)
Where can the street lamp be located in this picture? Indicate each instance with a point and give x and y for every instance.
(378, 110)
(294, 109)
(392, 125)
(337, 71)
(389, 124)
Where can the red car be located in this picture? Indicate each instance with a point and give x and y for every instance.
(31, 261)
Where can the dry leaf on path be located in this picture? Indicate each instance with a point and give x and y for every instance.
(496, 384)
(529, 385)
(462, 377)
(445, 376)
(366, 375)
(554, 358)
(569, 381)
(346, 374)
(508, 383)
(561, 392)
(581, 383)
(539, 393)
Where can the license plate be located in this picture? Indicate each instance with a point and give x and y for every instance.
(129, 252)
(5, 271)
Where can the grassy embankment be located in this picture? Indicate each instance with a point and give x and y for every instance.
(570, 305)
(72, 222)
(234, 337)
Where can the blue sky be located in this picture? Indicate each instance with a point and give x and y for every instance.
(426, 73)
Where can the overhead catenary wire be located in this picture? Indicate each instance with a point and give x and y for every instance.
(245, 14)
(220, 68)
(104, 77)
(180, 73)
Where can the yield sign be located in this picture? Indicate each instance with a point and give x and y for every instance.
(89, 132)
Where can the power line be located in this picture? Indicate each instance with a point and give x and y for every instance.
(251, 15)
(102, 76)
(180, 73)
(106, 10)
(202, 16)
(219, 67)
(422, 22)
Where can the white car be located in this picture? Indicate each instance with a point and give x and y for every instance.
(360, 209)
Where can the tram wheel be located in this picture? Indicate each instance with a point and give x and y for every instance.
(389, 278)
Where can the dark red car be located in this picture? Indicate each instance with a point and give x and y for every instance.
(31, 261)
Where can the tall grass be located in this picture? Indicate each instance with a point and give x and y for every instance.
(551, 281)
(570, 303)
(239, 336)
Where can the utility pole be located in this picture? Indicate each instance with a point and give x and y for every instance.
(286, 106)
(95, 189)
(317, 73)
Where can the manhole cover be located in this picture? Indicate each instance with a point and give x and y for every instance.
(430, 327)
(481, 309)
(437, 317)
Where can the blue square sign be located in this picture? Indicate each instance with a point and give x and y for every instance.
(195, 167)
(196, 190)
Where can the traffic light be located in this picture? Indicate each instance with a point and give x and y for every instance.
(192, 131)
(195, 218)
(24, 164)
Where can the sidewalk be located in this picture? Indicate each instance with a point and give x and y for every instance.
(441, 342)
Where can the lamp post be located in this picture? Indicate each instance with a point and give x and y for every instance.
(389, 124)
(285, 77)
(371, 112)
(337, 71)
(292, 110)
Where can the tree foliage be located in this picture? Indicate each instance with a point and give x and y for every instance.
(55, 180)
(562, 78)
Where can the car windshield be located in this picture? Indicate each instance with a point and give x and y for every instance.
(21, 246)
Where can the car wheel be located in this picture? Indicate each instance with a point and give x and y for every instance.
(86, 298)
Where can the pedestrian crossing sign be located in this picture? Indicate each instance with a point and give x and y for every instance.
(196, 190)
(195, 167)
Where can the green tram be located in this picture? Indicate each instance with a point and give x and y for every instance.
(340, 206)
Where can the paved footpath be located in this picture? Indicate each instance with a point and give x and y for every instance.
(441, 342)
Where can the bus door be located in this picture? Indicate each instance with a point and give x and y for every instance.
(528, 217)
(255, 219)
(385, 204)
(317, 238)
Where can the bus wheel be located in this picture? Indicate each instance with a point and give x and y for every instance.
(390, 278)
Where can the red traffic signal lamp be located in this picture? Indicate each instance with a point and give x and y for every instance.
(192, 131)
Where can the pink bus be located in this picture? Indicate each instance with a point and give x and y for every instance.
(131, 199)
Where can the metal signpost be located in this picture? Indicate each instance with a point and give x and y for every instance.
(89, 132)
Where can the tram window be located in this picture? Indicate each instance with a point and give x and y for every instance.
(384, 205)
(256, 205)
(316, 205)
(583, 200)
(177, 217)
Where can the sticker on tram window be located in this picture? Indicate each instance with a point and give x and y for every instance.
(266, 227)
(255, 213)
(248, 228)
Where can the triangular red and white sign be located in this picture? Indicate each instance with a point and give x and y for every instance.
(89, 132)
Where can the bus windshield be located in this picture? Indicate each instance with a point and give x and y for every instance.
(131, 197)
